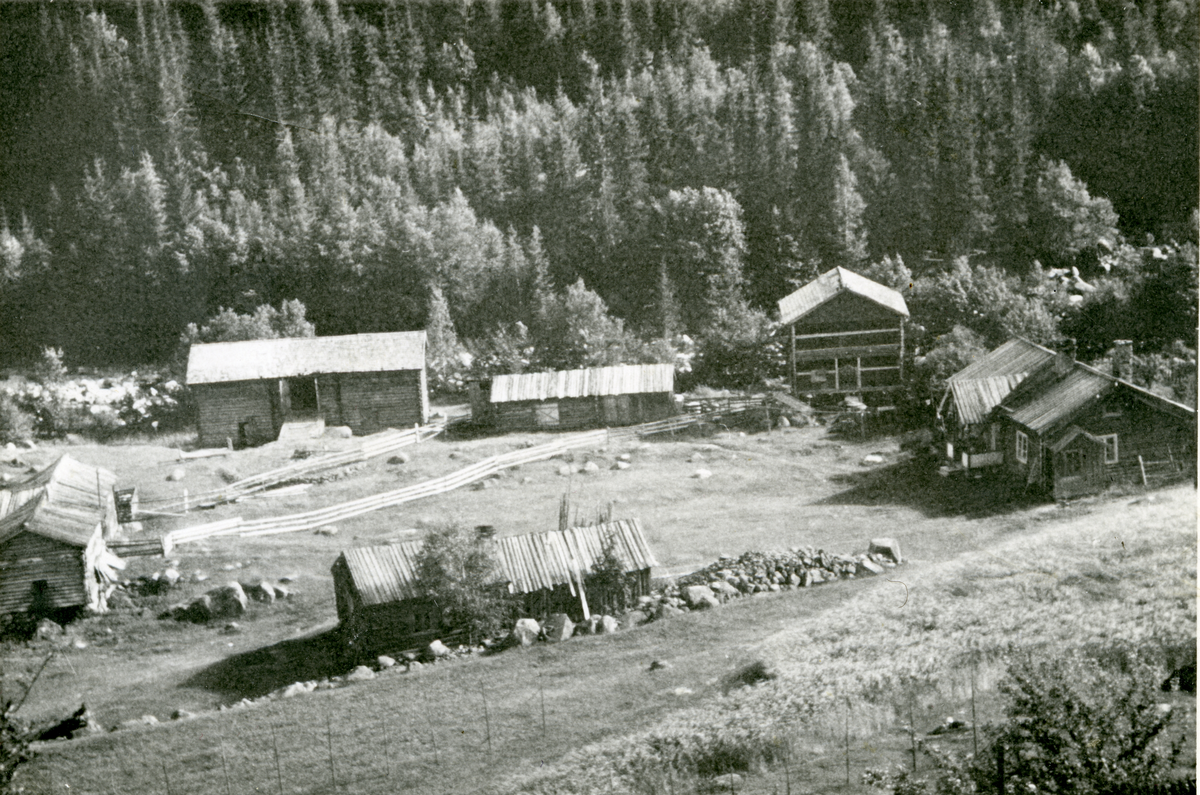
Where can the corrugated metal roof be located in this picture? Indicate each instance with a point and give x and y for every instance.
(68, 483)
(51, 521)
(1018, 356)
(531, 562)
(252, 360)
(625, 379)
(830, 284)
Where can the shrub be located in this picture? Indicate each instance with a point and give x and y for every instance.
(459, 573)
(612, 586)
(49, 368)
(15, 424)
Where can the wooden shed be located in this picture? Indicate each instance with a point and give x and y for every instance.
(71, 484)
(53, 558)
(847, 335)
(1070, 429)
(592, 398)
(246, 391)
(381, 605)
(965, 422)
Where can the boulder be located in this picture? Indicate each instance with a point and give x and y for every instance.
(177, 474)
(171, 576)
(525, 632)
(558, 627)
(339, 432)
(620, 465)
(888, 547)
(119, 600)
(565, 471)
(199, 610)
(702, 474)
(414, 666)
(359, 674)
(295, 689)
(784, 422)
(399, 458)
(328, 530)
(282, 591)
(228, 601)
(383, 661)
(873, 458)
(182, 714)
(591, 467)
(724, 590)
(868, 568)
(260, 592)
(634, 618)
(700, 597)
(665, 611)
(624, 458)
(436, 649)
(607, 625)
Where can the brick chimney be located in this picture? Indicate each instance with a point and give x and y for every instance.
(1122, 359)
(1064, 360)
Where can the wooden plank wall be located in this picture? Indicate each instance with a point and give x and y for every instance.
(221, 407)
(27, 558)
(588, 412)
(372, 402)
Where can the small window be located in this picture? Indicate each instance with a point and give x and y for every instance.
(1022, 447)
(545, 415)
(1110, 448)
(1072, 462)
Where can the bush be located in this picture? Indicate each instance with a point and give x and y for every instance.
(49, 368)
(458, 571)
(15, 425)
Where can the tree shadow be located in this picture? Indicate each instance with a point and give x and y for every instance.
(916, 483)
(256, 673)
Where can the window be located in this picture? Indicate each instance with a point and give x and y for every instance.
(545, 415)
(1072, 462)
(1110, 448)
(1022, 447)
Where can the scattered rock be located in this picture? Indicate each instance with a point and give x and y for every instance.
(328, 530)
(728, 781)
(359, 674)
(199, 576)
(399, 458)
(634, 618)
(436, 649)
(622, 465)
(171, 576)
(384, 661)
(558, 627)
(414, 665)
(228, 601)
(282, 591)
(145, 720)
(48, 630)
(590, 467)
(724, 590)
(784, 422)
(119, 600)
(232, 628)
(526, 632)
(624, 458)
(700, 597)
(177, 474)
(869, 568)
(873, 458)
(886, 546)
(660, 665)
(182, 714)
(260, 591)
(339, 432)
(702, 474)
(607, 625)
(295, 689)
(665, 611)
(565, 471)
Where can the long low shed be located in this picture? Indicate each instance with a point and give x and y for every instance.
(246, 391)
(596, 397)
(381, 605)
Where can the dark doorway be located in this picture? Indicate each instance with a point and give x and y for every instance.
(302, 393)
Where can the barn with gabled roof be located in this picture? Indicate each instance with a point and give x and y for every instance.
(246, 391)
(846, 335)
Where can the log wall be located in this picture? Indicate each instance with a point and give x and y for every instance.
(27, 558)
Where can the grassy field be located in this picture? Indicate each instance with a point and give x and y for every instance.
(985, 577)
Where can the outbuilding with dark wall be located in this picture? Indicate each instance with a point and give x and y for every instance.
(246, 391)
(1072, 429)
(592, 398)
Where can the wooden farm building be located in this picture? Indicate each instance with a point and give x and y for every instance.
(965, 422)
(53, 529)
(597, 397)
(246, 391)
(1071, 429)
(381, 605)
(847, 335)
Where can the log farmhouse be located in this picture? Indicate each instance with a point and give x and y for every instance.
(1056, 424)
(597, 397)
(847, 335)
(246, 391)
(381, 605)
(53, 529)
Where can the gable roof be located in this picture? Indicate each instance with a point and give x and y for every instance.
(41, 517)
(832, 283)
(253, 360)
(982, 385)
(529, 562)
(1047, 399)
(624, 379)
(67, 483)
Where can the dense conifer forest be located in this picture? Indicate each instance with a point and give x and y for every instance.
(566, 182)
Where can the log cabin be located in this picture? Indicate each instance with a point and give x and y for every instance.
(246, 391)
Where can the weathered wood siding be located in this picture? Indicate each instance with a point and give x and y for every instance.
(559, 599)
(1031, 470)
(222, 408)
(1089, 479)
(861, 361)
(27, 558)
(372, 402)
(584, 412)
(1165, 442)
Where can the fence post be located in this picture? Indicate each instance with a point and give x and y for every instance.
(278, 772)
(166, 778)
(974, 720)
(225, 770)
(847, 742)
(486, 719)
(387, 759)
(329, 743)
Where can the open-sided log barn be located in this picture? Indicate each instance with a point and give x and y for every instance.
(597, 397)
(970, 433)
(1072, 429)
(847, 335)
(381, 605)
(246, 391)
(53, 557)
